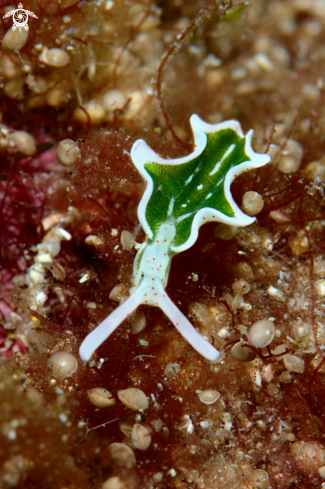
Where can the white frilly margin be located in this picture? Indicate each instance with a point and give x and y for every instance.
(141, 154)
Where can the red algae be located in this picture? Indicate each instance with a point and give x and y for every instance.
(69, 236)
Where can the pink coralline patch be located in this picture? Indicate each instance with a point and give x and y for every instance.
(46, 161)
(8, 346)
(23, 197)
(21, 210)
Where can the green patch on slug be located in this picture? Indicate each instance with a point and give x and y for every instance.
(184, 189)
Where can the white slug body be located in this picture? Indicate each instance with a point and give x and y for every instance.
(180, 196)
(152, 263)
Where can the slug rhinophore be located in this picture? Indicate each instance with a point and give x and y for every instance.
(180, 196)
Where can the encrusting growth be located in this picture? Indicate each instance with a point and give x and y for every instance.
(180, 196)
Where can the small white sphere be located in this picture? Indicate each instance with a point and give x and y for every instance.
(114, 483)
(320, 287)
(260, 479)
(114, 99)
(56, 97)
(225, 231)
(252, 203)
(62, 364)
(240, 286)
(100, 397)
(310, 456)
(294, 148)
(133, 398)
(243, 353)
(293, 363)
(141, 437)
(277, 216)
(24, 142)
(14, 40)
(93, 240)
(67, 152)
(274, 152)
(321, 471)
(288, 164)
(261, 333)
(55, 57)
(122, 455)
(127, 240)
(138, 322)
(95, 112)
(9, 69)
(209, 396)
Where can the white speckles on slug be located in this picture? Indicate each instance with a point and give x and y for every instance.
(158, 247)
(171, 207)
(190, 178)
(200, 187)
(218, 165)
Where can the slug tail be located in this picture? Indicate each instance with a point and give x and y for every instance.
(106, 328)
(187, 330)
